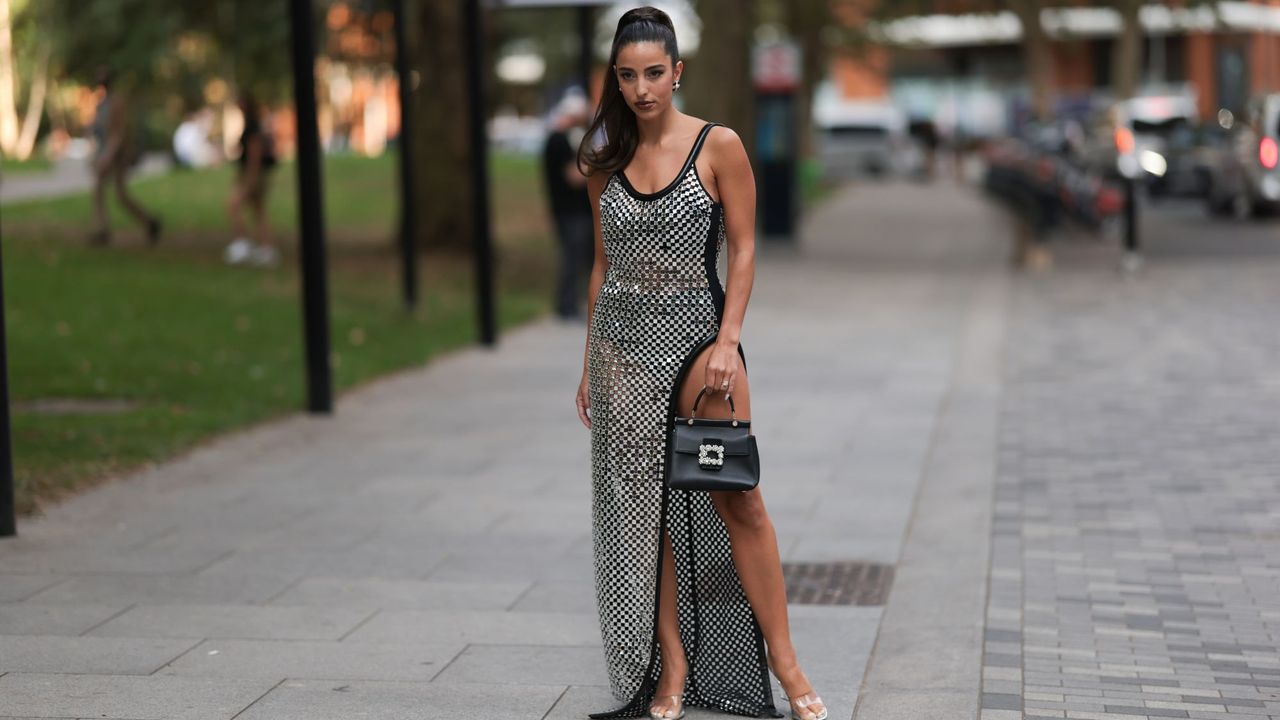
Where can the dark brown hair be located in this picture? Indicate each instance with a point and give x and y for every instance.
(642, 24)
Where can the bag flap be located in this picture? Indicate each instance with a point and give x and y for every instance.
(688, 439)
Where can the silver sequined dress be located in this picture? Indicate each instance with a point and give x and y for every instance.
(660, 304)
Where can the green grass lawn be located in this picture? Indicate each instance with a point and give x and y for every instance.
(183, 347)
(34, 164)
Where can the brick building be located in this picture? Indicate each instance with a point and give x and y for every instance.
(1223, 52)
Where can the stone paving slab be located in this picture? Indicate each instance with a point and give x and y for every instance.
(478, 626)
(276, 659)
(198, 589)
(87, 655)
(16, 619)
(498, 664)
(232, 621)
(319, 700)
(377, 593)
(15, 587)
(124, 697)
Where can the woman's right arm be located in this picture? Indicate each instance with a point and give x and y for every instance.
(595, 186)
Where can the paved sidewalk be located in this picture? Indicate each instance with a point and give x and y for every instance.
(67, 177)
(1136, 557)
(426, 553)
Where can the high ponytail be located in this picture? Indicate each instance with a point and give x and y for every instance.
(614, 116)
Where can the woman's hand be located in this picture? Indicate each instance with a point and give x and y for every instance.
(723, 366)
(584, 401)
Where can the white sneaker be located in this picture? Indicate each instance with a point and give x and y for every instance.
(265, 256)
(238, 251)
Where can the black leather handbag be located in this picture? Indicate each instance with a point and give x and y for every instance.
(712, 454)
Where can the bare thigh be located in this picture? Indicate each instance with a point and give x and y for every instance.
(713, 404)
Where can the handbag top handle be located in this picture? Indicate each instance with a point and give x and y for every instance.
(733, 412)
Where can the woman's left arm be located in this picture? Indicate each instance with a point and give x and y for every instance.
(737, 189)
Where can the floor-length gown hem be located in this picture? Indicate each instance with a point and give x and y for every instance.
(638, 704)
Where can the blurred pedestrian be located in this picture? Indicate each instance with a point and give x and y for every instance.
(570, 206)
(926, 133)
(257, 157)
(116, 150)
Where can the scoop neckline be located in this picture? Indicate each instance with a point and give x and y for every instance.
(626, 186)
(684, 170)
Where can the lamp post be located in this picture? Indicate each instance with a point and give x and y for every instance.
(8, 518)
(408, 213)
(315, 298)
(481, 232)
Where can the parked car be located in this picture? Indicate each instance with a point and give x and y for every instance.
(1139, 137)
(1245, 179)
(1190, 151)
(858, 138)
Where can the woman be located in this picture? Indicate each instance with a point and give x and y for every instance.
(257, 157)
(688, 584)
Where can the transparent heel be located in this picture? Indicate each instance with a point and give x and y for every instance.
(677, 707)
(801, 705)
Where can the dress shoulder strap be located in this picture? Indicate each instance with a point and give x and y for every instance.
(697, 144)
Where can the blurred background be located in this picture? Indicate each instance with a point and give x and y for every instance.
(173, 314)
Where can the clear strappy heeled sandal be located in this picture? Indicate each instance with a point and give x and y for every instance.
(804, 701)
(678, 707)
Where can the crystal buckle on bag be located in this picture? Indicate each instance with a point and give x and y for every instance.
(705, 458)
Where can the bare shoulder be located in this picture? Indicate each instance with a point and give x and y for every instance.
(725, 145)
(595, 184)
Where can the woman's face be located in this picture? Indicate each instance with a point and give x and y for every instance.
(645, 75)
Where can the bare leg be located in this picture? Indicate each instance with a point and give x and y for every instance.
(754, 543)
(234, 203)
(675, 666)
(118, 174)
(102, 229)
(259, 201)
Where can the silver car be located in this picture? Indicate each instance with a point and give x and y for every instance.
(860, 138)
(1245, 179)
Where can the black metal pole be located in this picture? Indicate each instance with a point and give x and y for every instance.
(8, 505)
(408, 213)
(315, 298)
(480, 171)
(586, 56)
(1131, 241)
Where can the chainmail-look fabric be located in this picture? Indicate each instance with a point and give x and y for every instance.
(660, 304)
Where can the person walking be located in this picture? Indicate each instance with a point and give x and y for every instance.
(116, 150)
(570, 207)
(689, 585)
(253, 177)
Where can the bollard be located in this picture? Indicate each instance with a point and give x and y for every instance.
(1131, 260)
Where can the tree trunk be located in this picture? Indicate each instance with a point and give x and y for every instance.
(35, 107)
(807, 20)
(1035, 51)
(8, 83)
(1126, 56)
(442, 155)
(717, 83)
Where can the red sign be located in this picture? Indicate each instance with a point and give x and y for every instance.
(776, 67)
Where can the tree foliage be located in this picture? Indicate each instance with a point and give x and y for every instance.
(161, 47)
